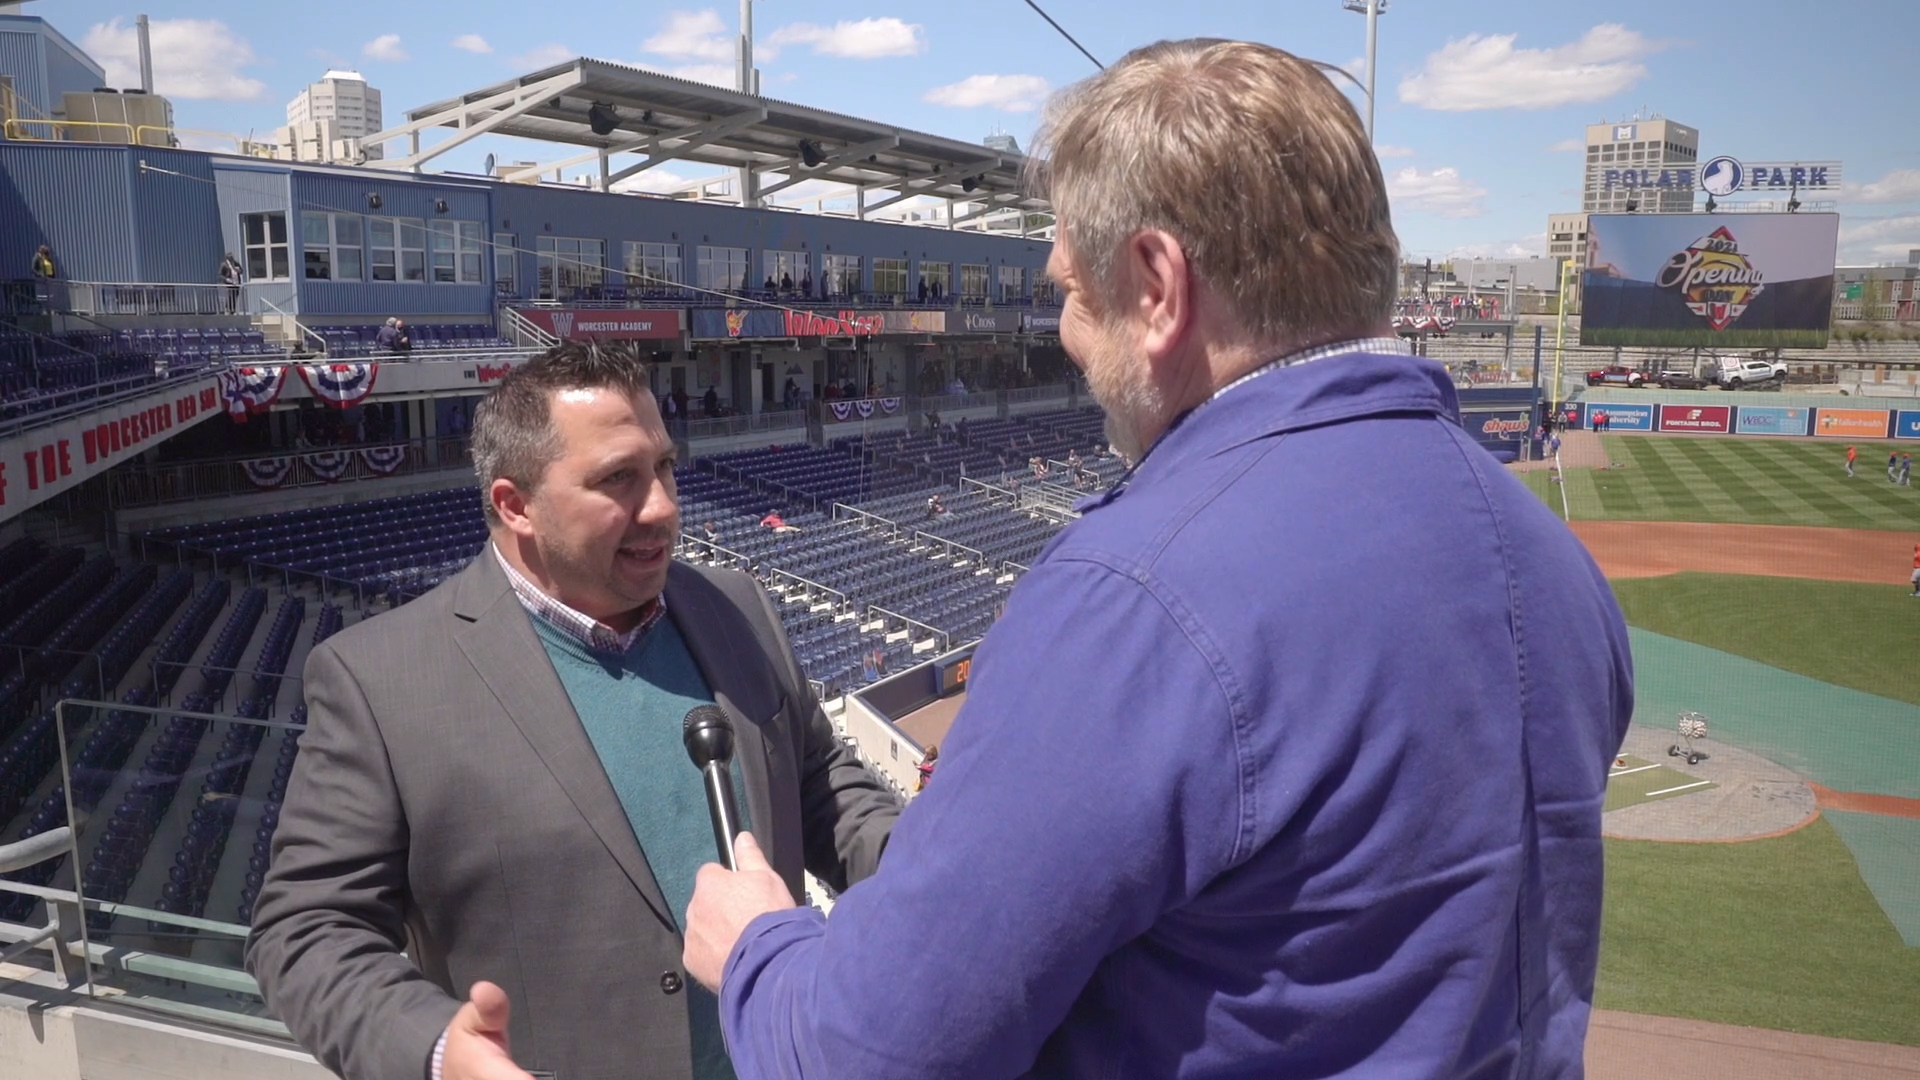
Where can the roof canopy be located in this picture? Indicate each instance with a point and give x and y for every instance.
(613, 109)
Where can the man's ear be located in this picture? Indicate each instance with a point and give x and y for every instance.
(511, 504)
(1157, 284)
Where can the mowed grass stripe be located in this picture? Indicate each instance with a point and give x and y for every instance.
(1743, 501)
(1771, 482)
(1740, 481)
(1671, 497)
(1721, 492)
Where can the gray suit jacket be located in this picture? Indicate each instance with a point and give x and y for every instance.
(447, 801)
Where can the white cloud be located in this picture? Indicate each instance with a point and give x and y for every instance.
(866, 39)
(195, 59)
(1014, 93)
(1387, 150)
(384, 47)
(698, 35)
(1907, 225)
(1485, 71)
(1524, 247)
(654, 181)
(1443, 191)
(542, 56)
(472, 43)
(1568, 146)
(1900, 185)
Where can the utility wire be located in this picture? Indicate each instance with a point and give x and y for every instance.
(1064, 34)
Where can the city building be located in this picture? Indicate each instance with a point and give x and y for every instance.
(1654, 146)
(341, 106)
(1567, 243)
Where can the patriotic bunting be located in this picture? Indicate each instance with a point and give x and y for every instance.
(341, 385)
(247, 390)
(384, 459)
(329, 465)
(268, 472)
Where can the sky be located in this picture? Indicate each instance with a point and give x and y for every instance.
(1481, 106)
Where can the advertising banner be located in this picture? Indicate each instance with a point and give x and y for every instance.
(1488, 426)
(1716, 281)
(1709, 419)
(1851, 423)
(984, 322)
(39, 464)
(1906, 424)
(744, 323)
(1622, 416)
(601, 324)
(1772, 420)
(1048, 323)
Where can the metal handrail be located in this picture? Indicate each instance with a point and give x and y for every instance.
(297, 324)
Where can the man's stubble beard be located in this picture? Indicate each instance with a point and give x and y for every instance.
(1122, 385)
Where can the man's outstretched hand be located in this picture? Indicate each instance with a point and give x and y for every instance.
(477, 1039)
(724, 902)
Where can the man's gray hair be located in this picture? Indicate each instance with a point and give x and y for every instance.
(513, 433)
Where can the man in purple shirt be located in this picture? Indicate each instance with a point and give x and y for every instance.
(1277, 765)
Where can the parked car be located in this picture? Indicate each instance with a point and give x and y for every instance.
(1617, 375)
(1678, 379)
(1735, 374)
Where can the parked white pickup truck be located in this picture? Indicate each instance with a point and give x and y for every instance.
(1735, 373)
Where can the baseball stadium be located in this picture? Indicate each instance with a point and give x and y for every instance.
(205, 473)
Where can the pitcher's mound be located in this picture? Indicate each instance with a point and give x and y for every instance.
(1741, 796)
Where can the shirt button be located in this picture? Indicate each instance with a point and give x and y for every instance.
(670, 982)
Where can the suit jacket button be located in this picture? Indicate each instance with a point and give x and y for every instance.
(670, 982)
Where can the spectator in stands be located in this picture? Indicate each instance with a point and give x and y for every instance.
(806, 283)
(1178, 835)
(790, 395)
(710, 402)
(681, 403)
(770, 286)
(927, 762)
(958, 385)
(934, 506)
(1073, 459)
(46, 278)
(710, 531)
(776, 523)
(786, 282)
(231, 276)
(492, 783)
(923, 290)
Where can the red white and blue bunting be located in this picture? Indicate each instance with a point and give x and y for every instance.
(341, 385)
(247, 390)
(268, 472)
(384, 459)
(329, 465)
(864, 408)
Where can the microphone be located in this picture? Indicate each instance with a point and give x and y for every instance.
(709, 738)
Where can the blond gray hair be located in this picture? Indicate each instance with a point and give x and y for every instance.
(1251, 159)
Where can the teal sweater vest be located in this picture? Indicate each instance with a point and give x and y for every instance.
(632, 707)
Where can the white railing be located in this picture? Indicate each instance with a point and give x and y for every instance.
(154, 298)
(843, 512)
(892, 622)
(1897, 384)
(524, 331)
(718, 427)
(305, 333)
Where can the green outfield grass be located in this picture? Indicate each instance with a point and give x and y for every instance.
(1779, 933)
(1753, 481)
(1866, 637)
(1707, 338)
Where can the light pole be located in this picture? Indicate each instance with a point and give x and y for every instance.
(748, 81)
(1371, 9)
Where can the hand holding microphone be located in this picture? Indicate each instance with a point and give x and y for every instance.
(744, 887)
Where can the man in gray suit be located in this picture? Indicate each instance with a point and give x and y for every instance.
(492, 778)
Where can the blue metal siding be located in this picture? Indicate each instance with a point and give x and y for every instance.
(23, 60)
(250, 189)
(400, 198)
(69, 69)
(176, 214)
(531, 212)
(74, 198)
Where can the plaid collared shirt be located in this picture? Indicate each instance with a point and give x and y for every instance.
(1321, 352)
(585, 629)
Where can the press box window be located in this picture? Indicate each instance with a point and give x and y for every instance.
(842, 277)
(890, 276)
(653, 266)
(457, 250)
(724, 269)
(263, 239)
(973, 280)
(331, 247)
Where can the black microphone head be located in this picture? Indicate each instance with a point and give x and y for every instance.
(708, 735)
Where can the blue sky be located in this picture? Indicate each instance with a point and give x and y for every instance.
(1478, 102)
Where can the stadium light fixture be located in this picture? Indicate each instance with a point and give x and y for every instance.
(1793, 199)
(1632, 205)
(810, 154)
(1711, 205)
(602, 119)
(1371, 9)
(968, 183)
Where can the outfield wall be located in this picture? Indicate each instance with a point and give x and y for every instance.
(1670, 417)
